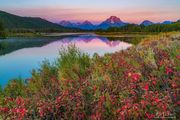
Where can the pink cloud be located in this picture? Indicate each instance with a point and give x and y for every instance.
(56, 14)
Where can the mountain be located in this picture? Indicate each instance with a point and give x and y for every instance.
(66, 24)
(11, 21)
(147, 23)
(86, 25)
(167, 22)
(113, 21)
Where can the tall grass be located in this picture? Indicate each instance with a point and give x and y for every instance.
(72, 64)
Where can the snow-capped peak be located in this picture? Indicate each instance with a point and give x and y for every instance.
(114, 19)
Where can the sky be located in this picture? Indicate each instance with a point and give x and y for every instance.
(96, 11)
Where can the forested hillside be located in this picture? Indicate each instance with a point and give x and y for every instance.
(13, 22)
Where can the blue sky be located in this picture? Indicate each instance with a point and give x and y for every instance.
(95, 10)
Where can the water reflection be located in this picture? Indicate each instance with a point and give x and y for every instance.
(22, 60)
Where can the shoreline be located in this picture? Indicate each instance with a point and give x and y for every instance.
(65, 34)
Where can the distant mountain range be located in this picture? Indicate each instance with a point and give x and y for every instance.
(147, 23)
(167, 22)
(11, 21)
(85, 25)
(112, 21)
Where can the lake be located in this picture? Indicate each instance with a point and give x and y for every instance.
(18, 56)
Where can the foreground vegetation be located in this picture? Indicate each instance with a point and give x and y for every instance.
(139, 83)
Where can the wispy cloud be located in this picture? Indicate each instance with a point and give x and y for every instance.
(96, 15)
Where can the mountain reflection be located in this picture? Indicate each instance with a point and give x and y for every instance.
(88, 39)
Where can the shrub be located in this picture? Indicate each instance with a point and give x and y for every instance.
(15, 88)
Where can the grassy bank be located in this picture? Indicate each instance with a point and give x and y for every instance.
(139, 83)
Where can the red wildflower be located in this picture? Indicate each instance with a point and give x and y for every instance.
(4, 109)
(136, 76)
(174, 95)
(146, 87)
(161, 62)
(154, 82)
(94, 88)
(124, 107)
(178, 56)
(19, 101)
(9, 99)
(156, 100)
(164, 107)
(96, 116)
(122, 115)
(133, 92)
(102, 98)
(22, 112)
(41, 113)
(178, 102)
(118, 110)
(174, 85)
(168, 70)
(143, 103)
(150, 116)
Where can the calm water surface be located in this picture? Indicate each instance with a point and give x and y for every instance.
(21, 55)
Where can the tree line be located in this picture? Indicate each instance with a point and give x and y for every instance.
(2, 31)
(141, 28)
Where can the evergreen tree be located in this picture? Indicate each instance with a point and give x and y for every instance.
(2, 31)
